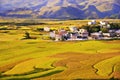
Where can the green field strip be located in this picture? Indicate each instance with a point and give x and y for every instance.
(36, 75)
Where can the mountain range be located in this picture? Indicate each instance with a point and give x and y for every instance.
(60, 9)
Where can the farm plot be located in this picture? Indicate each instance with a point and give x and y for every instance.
(106, 67)
(80, 66)
(34, 59)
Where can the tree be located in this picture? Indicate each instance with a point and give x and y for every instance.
(104, 30)
(94, 28)
(27, 35)
(115, 26)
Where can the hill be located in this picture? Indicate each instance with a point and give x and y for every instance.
(60, 9)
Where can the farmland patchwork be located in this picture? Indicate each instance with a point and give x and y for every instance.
(33, 59)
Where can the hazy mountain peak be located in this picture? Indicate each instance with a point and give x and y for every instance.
(51, 8)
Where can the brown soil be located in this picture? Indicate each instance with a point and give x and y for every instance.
(116, 75)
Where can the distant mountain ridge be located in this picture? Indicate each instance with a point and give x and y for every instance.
(60, 9)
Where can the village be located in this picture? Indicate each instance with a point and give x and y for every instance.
(91, 30)
(102, 31)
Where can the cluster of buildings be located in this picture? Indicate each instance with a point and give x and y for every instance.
(75, 33)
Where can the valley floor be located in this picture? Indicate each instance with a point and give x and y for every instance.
(44, 60)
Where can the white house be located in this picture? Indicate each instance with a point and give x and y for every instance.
(52, 34)
(106, 34)
(89, 23)
(73, 28)
(96, 35)
(103, 23)
(118, 33)
(92, 22)
(57, 37)
(112, 31)
(108, 26)
(83, 33)
(46, 29)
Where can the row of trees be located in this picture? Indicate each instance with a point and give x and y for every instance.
(97, 28)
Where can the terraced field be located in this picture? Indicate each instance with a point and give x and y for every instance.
(44, 60)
